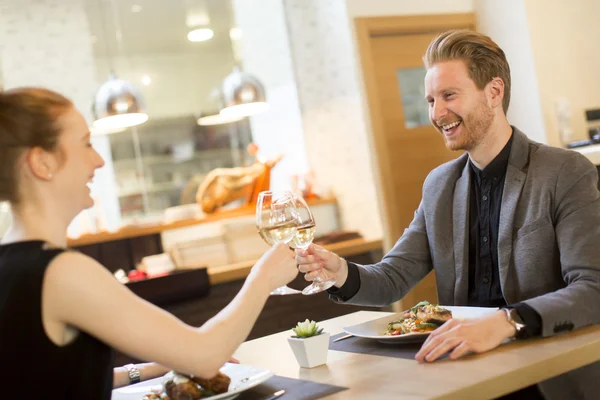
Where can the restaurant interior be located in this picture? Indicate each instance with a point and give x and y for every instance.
(323, 98)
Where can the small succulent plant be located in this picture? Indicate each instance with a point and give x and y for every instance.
(306, 329)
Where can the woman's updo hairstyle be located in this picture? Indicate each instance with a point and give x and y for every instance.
(28, 118)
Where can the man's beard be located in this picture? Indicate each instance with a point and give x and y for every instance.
(475, 127)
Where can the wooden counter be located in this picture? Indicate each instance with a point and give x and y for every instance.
(480, 376)
(128, 232)
(232, 272)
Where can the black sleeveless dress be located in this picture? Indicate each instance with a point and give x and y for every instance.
(31, 365)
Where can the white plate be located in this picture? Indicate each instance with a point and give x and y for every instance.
(374, 329)
(243, 377)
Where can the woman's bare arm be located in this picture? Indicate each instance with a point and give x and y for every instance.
(80, 292)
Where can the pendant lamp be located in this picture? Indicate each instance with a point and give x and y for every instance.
(117, 104)
(243, 95)
(216, 103)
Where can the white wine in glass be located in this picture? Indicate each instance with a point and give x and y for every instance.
(304, 236)
(305, 233)
(281, 233)
(277, 222)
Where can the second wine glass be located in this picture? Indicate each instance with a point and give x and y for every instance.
(305, 233)
(277, 222)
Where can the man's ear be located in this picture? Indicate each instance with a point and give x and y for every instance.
(42, 164)
(495, 92)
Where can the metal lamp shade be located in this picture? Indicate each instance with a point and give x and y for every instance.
(243, 95)
(212, 118)
(118, 105)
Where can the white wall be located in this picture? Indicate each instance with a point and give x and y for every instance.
(329, 93)
(564, 39)
(44, 43)
(506, 23)
(47, 43)
(266, 54)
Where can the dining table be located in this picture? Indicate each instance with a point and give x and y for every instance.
(509, 367)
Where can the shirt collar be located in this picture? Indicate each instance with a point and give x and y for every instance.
(497, 168)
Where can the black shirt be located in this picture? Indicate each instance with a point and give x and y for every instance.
(32, 366)
(487, 186)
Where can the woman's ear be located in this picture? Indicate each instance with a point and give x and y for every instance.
(42, 164)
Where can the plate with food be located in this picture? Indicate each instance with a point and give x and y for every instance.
(228, 384)
(414, 324)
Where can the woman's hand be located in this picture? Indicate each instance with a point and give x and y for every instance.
(277, 266)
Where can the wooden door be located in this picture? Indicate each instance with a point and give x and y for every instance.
(407, 146)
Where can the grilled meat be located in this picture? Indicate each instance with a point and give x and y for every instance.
(217, 384)
(423, 317)
(182, 387)
(182, 390)
(433, 314)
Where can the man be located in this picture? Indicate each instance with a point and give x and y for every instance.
(511, 224)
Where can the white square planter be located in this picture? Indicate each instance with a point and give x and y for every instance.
(310, 352)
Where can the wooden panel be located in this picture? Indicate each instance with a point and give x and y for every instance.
(175, 287)
(405, 156)
(415, 23)
(124, 253)
(143, 246)
(115, 255)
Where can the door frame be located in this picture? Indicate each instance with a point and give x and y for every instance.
(366, 28)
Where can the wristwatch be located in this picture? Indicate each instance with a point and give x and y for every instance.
(513, 317)
(134, 373)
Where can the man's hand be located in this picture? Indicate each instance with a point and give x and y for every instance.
(315, 259)
(460, 337)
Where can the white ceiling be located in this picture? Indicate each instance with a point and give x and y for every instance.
(158, 27)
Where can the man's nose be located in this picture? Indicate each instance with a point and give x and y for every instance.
(438, 111)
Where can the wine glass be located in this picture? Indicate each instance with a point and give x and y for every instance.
(305, 233)
(277, 221)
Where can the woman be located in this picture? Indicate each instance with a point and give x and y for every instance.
(60, 311)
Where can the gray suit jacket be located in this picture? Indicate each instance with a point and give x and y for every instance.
(548, 246)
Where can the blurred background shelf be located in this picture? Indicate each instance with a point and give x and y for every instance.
(203, 155)
(155, 187)
(131, 231)
(176, 155)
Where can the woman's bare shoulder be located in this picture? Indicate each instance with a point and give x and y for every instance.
(73, 267)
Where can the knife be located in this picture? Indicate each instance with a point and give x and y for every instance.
(342, 338)
(276, 395)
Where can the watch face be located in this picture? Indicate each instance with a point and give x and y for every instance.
(518, 324)
(133, 372)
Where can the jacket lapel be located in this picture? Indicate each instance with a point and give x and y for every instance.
(460, 219)
(513, 186)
